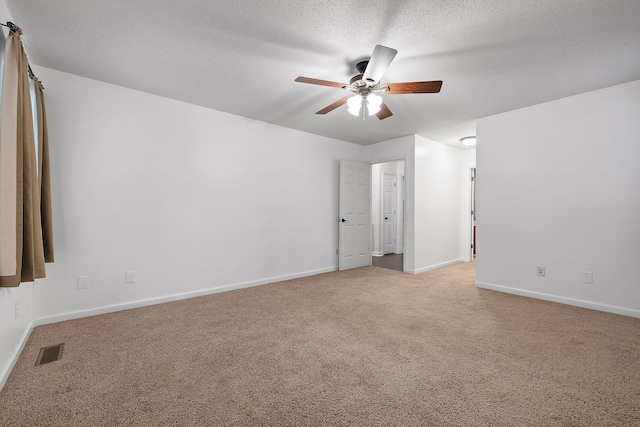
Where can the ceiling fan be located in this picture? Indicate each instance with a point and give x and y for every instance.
(366, 86)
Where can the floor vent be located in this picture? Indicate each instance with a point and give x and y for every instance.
(49, 354)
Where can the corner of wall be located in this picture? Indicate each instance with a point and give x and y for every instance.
(16, 322)
(575, 208)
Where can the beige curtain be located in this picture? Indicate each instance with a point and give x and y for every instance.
(8, 162)
(22, 255)
(44, 174)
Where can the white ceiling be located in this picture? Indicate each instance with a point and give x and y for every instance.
(242, 56)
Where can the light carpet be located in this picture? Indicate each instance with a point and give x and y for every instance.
(366, 347)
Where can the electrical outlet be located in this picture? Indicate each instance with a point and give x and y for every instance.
(17, 310)
(587, 277)
(540, 271)
(130, 277)
(83, 282)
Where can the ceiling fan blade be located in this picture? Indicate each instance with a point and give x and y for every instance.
(384, 112)
(378, 64)
(320, 82)
(414, 87)
(333, 106)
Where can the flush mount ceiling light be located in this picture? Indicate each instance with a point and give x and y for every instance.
(468, 140)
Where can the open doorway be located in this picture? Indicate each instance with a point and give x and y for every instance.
(387, 215)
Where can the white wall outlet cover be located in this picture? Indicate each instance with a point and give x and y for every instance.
(130, 277)
(587, 277)
(83, 282)
(540, 271)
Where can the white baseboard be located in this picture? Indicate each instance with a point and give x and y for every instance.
(377, 254)
(561, 300)
(175, 297)
(434, 266)
(6, 370)
(4, 374)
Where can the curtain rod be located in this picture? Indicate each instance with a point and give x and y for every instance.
(11, 25)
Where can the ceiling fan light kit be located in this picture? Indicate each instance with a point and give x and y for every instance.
(373, 103)
(366, 86)
(353, 104)
(364, 106)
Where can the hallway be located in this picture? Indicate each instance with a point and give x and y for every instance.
(389, 261)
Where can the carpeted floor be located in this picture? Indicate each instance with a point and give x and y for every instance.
(366, 347)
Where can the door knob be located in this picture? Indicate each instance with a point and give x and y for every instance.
(386, 217)
(345, 220)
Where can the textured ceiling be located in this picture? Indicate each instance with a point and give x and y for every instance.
(242, 56)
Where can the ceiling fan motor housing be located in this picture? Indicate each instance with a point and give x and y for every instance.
(361, 66)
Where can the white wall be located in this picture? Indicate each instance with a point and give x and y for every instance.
(376, 231)
(558, 187)
(190, 199)
(13, 331)
(400, 208)
(439, 208)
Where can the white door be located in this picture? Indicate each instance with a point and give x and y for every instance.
(355, 215)
(389, 213)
